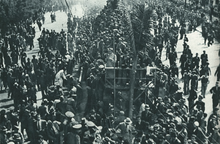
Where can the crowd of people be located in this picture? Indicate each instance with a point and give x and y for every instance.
(73, 109)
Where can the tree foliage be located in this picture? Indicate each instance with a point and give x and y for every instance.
(14, 11)
(142, 17)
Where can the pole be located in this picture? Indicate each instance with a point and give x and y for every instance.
(114, 91)
(134, 66)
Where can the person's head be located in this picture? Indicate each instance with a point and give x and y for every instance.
(38, 117)
(121, 113)
(215, 111)
(61, 98)
(127, 121)
(139, 119)
(196, 124)
(49, 123)
(216, 84)
(204, 52)
(147, 108)
(200, 98)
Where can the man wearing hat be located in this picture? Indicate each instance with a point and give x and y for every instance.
(200, 105)
(124, 130)
(201, 137)
(52, 131)
(204, 82)
(60, 77)
(215, 137)
(192, 140)
(61, 108)
(43, 109)
(215, 95)
(146, 115)
(23, 56)
(3, 136)
(119, 118)
(194, 80)
(186, 79)
(172, 137)
(17, 136)
(67, 125)
(204, 58)
(72, 136)
(212, 121)
(40, 126)
(192, 97)
(34, 62)
(195, 61)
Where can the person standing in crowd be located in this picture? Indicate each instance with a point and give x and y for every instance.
(215, 95)
(23, 56)
(186, 79)
(204, 82)
(192, 97)
(73, 136)
(194, 80)
(53, 132)
(182, 32)
(195, 61)
(60, 77)
(3, 135)
(39, 24)
(201, 137)
(204, 59)
(200, 105)
(40, 126)
(125, 129)
(217, 72)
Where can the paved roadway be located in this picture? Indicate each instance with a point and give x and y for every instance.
(195, 43)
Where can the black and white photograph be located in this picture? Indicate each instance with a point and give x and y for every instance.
(109, 72)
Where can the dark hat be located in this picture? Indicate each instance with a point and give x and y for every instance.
(69, 114)
(52, 110)
(45, 101)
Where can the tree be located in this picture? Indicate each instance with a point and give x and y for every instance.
(140, 26)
